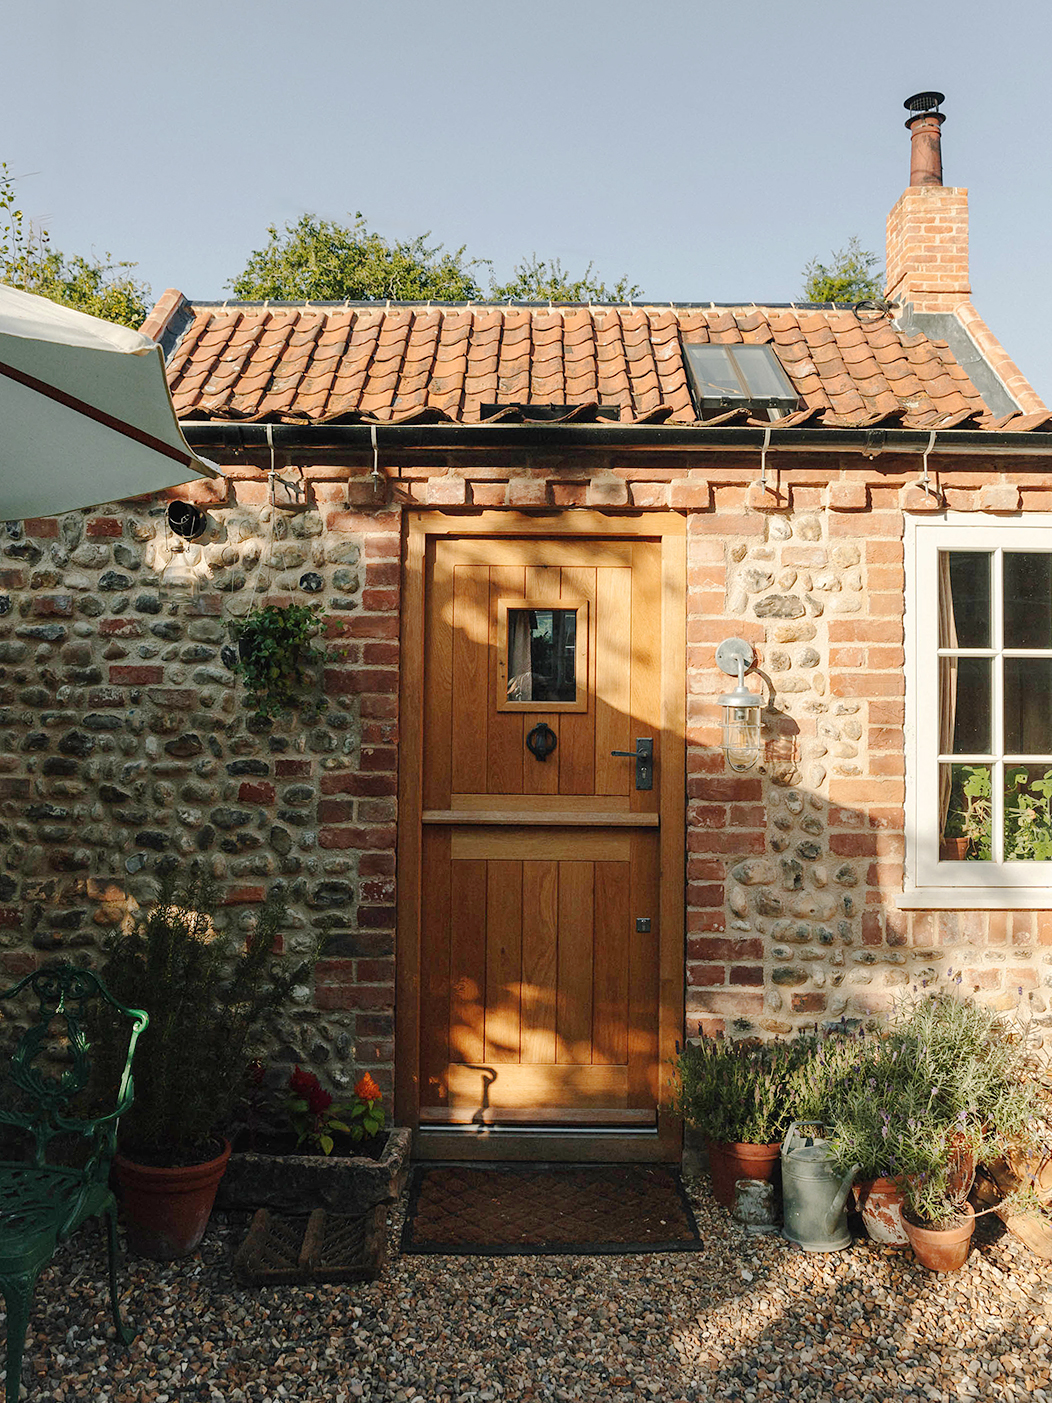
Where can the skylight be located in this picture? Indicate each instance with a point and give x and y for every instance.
(736, 376)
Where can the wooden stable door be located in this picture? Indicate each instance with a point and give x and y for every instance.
(540, 906)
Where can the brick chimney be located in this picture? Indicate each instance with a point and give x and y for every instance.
(927, 233)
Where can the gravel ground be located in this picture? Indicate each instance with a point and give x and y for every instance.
(745, 1319)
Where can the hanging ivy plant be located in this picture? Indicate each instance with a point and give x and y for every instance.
(275, 653)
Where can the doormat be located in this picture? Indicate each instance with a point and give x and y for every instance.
(517, 1209)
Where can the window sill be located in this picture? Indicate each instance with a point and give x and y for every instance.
(975, 899)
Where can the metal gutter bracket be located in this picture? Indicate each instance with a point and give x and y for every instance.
(295, 491)
(376, 477)
(874, 443)
(924, 480)
(763, 458)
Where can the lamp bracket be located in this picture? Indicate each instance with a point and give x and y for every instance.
(733, 651)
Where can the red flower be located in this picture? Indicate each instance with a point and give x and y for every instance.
(308, 1088)
(300, 1082)
(318, 1100)
(366, 1089)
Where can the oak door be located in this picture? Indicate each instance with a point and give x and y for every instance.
(540, 908)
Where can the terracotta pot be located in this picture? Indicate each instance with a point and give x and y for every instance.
(730, 1162)
(166, 1210)
(942, 1249)
(880, 1203)
(953, 849)
(962, 1167)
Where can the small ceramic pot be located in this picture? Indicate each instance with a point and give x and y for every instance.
(754, 1206)
(953, 849)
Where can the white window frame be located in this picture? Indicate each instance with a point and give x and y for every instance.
(930, 882)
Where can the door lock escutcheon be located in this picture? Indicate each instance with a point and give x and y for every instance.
(644, 758)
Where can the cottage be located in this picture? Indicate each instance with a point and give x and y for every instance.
(537, 859)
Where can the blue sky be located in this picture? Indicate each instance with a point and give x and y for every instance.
(708, 151)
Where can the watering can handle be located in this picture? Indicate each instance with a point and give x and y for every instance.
(841, 1197)
(794, 1140)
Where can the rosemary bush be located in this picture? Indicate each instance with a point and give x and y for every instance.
(208, 999)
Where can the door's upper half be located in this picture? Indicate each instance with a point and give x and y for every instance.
(542, 661)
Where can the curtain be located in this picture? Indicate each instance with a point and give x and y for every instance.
(947, 685)
(520, 661)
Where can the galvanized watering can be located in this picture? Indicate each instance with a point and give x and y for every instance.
(813, 1194)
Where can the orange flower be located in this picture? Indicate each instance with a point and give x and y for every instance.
(366, 1089)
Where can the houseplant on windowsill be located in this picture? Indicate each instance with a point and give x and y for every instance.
(739, 1095)
(208, 997)
(968, 822)
(1028, 815)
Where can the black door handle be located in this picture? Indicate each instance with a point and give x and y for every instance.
(643, 755)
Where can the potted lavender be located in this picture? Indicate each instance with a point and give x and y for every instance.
(739, 1094)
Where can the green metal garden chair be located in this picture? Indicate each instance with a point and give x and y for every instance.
(41, 1203)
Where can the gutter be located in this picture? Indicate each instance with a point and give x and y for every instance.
(221, 435)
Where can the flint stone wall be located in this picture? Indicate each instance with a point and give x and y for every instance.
(125, 743)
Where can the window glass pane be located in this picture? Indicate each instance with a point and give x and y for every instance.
(542, 648)
(1028, 819)
(964, 599)
(965, 805)
(964, 710)
(713, 372)
(1028, 599)
(762, 373)
(1028, 706)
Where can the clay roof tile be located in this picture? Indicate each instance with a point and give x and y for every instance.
(318, 363)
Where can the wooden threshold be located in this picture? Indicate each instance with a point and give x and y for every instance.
(620, 1145)
(583, 1116)
(561, 817)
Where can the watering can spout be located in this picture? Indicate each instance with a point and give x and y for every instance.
(836, 1207)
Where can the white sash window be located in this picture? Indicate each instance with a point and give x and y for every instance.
(979, 711)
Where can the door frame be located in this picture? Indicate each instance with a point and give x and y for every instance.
(665, 1142)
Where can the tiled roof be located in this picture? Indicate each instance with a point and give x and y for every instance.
(335, 362)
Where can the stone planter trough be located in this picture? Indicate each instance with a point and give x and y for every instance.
(295, 1183)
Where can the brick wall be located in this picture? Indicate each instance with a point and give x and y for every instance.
(124, 741)
(793, 869)
(927, 248)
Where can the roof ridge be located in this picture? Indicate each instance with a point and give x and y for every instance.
(636, 305)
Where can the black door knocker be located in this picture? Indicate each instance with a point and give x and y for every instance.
(541, 741)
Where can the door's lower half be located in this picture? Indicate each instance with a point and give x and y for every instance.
(549, 1014)
(540, 953)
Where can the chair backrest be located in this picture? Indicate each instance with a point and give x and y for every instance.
(50, 1065)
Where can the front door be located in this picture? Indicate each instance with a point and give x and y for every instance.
(550, 759)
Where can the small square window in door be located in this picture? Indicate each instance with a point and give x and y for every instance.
(542, 655)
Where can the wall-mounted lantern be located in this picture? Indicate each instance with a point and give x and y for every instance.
(183, 524)
(741, 708)
(186, 520)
